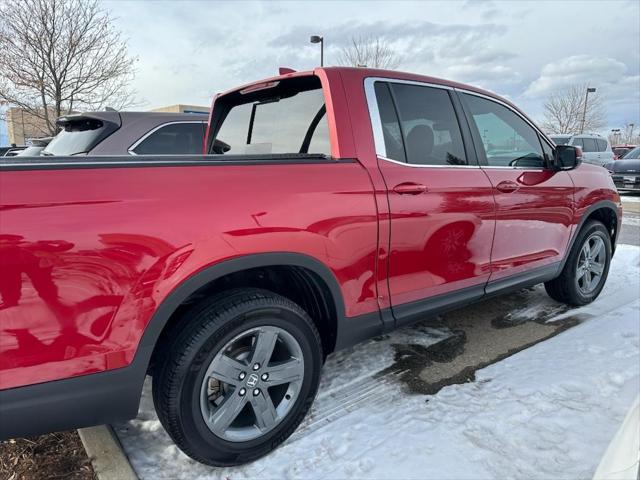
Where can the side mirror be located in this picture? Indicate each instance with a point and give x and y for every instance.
(566, 157)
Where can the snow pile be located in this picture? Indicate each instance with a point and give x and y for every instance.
(546, 412)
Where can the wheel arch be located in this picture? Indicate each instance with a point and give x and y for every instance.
(604, 211)
(323, 299)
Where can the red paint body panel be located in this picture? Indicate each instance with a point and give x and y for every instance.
(533, 223)
(86, 261)
(441, 239)
(88, 255)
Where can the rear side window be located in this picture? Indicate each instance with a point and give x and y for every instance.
(173, 139)
(507, 140)
(425, 129)
(577, 142)
(289, 117)
(590, 145)
(602, 144)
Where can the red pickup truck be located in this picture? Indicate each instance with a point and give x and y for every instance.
(330, 206)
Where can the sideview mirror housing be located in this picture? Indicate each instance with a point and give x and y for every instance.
(566, 157)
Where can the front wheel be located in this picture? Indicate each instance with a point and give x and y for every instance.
(239, 377)
(586, 269)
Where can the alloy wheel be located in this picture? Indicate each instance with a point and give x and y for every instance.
(591, 264)
(252, 384)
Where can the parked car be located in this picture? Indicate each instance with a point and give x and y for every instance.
(13, 151)
(626, 171)
(620, 151)
(128, 133)
(596, 149)
(36, 147)
(333, 205)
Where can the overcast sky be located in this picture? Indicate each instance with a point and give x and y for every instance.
(523, 50)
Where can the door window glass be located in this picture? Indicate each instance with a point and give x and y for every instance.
(394, 148)
(507, 140)
(602, 144)
(428, 125)
(547, 151)
(589, 145)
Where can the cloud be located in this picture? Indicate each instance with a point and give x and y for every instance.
(577, 69)
(619, 89)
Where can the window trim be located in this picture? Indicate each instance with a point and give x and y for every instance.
(131, 149)
(376, 121)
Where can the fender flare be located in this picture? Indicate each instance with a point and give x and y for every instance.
(608, 204)
(218, 270)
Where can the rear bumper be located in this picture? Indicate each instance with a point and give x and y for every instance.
(77, 402)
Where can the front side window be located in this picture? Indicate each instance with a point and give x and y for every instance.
(288, 118)
(173, 139)
(507, 140)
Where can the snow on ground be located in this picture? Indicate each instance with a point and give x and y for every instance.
(627, 219)
(546, 412)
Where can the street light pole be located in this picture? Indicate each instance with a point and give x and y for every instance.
(584, 111)
(320, 40)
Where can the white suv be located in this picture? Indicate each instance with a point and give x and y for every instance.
(595, 148)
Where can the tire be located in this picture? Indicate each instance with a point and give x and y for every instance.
(568, 288)
(221, 336)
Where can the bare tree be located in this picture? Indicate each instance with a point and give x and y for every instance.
(564, 109)
(369, 52)
(57, 56)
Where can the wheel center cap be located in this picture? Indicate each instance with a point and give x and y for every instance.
(252, 380)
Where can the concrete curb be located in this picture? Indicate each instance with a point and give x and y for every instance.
(105, 452)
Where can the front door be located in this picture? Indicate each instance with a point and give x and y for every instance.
(534, 204)
(441, 203)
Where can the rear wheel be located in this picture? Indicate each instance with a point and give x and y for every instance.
(586, 269)
(239, 378)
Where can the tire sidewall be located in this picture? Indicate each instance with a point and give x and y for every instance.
(204, 442)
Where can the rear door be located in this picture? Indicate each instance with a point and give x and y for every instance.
(534, 203)
(441, 203)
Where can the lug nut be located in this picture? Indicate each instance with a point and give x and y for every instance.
(256, 366)
(242, 375)
(256, 392)
(264, 376)
(242, 392)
